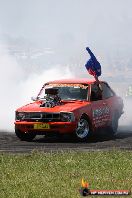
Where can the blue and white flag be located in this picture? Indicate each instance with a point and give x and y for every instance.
(92, 65)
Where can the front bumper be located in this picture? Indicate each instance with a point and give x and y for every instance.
(59, 127)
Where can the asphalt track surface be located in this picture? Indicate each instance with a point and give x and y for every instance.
(9, 143)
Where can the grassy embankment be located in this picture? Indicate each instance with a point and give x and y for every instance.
(58, 175)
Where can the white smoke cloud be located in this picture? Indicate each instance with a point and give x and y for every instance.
(125, 121)
(10, 75)
(32, 85)
(15, 91)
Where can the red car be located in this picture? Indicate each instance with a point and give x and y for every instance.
(77, 107)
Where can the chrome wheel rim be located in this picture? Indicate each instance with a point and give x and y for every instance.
(82, 129)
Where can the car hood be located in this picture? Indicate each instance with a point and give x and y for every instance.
(67, 106)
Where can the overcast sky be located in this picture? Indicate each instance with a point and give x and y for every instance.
(69, 26)
(99, 23)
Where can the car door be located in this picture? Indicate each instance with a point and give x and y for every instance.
(99, 107)
(108, 101)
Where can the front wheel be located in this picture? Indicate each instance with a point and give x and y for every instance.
(24, 136)
(82, 131)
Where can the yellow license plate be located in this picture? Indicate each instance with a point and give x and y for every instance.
(42, 126)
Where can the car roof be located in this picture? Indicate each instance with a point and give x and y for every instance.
(73, 80)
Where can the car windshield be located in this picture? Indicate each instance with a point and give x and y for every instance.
(68, 91)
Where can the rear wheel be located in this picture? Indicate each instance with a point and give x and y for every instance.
(25, 136)
(82, 131)
(114, 123)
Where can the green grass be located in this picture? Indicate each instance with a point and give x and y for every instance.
(58, 175)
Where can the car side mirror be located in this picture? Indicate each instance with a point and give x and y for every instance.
(34, 98)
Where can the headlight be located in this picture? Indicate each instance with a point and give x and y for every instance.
(20, 115)
(67, 116)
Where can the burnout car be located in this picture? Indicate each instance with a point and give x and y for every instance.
(76, 107)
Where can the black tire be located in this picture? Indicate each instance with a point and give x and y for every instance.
(83, 130)
(114, 124)
(24, 136)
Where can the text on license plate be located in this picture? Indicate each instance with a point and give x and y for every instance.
(42, 126)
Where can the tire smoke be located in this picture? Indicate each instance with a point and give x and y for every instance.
(16, 90)
(125, 122)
